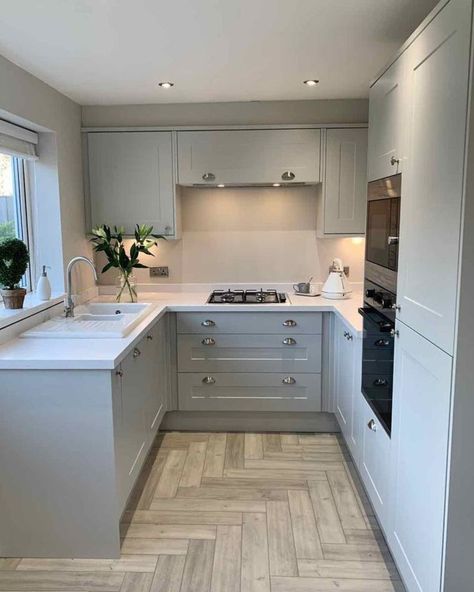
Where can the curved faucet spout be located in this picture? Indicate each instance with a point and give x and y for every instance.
(69, 303)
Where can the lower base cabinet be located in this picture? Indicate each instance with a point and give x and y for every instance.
(421, 417)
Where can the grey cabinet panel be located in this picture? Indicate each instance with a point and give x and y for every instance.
(249, 353)
(249, 392)
(250, 322)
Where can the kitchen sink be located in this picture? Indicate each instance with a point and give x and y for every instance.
(95, 320)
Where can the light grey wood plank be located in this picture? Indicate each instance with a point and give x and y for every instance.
(227, 559)
(178, 504)
(9, 563)
(137, 582)
(295, 465)
(155, 546)
(364, 570)
(182, 517)
(168, 531)
(145, 487)
(168, 574)
(215, 456)
(171, 474)
(234, 454)
(271, 443)
(40, 581)
(327, 518)
(355, 552)
(229, 493)
(318, 439)
(263, 483)
(255, 567)
(253, 446)
(194, 465)
(298, 474)
(179, 439)
(364, 536)
(288, 439)
(345, 500)
(281, 548)
(132, 563)
(198, 567)
(307, 543)
(289, 584)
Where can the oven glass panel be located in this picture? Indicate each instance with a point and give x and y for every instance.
(382, 232)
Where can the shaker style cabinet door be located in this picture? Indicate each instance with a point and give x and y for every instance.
(344, 378)
(420, 428)
(249, 157)
(432, 184)
(345, 182)
(387, 110)
(131, 180)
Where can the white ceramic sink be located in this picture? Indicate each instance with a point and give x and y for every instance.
(96, 320)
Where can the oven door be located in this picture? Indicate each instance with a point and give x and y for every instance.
(377, 365)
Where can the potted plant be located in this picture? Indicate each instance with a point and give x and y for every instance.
(14, 259)
(112, 245)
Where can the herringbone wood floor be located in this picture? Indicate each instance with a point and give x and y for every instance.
(233, 512)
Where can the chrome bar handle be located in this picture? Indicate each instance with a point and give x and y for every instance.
(208, 341)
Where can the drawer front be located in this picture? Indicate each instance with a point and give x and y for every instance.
(249, 322)
(249, 353)
(249, 392)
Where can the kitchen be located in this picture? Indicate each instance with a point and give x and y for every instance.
(280, 399)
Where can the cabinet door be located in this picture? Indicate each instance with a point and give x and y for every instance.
(420, 426)
(131, 180)
(157, 362)
(345, 182)
(375, 462)
(344, 378)
(432, 185)
(387, 112)
(249, 157)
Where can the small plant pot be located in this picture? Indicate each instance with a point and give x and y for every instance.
(13, 298)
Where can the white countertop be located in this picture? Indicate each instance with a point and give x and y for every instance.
(106, 354)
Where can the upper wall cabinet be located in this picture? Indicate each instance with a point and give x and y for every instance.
(249, 157)
(344, 189)
(432, 184)
(131, 180)
(387, 110)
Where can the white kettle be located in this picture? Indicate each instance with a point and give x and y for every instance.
(336, 286)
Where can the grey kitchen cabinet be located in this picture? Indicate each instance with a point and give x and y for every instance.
(419, 468)
(265, 361)
(130, 179)
(249, 157)
(250, 391)
(344, 189)
(433, 180)
(387, 121)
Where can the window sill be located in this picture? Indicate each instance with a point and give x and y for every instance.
(31, 307)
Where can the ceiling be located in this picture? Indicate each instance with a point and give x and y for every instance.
(116, 51)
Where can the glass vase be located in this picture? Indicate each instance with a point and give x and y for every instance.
(126, 287)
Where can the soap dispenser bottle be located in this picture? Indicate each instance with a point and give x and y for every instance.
(43, 289)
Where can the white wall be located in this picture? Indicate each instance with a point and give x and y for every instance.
(26, 100)
(249, 235)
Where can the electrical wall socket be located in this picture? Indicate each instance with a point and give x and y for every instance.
(160, 271)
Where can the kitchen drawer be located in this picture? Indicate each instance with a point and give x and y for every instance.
(249, 392)
(250, 322)
(249, 353)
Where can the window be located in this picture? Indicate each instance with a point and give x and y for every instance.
(14, 203)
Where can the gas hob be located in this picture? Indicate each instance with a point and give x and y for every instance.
(246, 297)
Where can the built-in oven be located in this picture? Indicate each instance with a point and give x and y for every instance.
(380, 295)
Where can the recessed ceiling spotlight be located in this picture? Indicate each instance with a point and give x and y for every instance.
(311, 82)
(221, 185)
(276, 184)
(166, 84)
